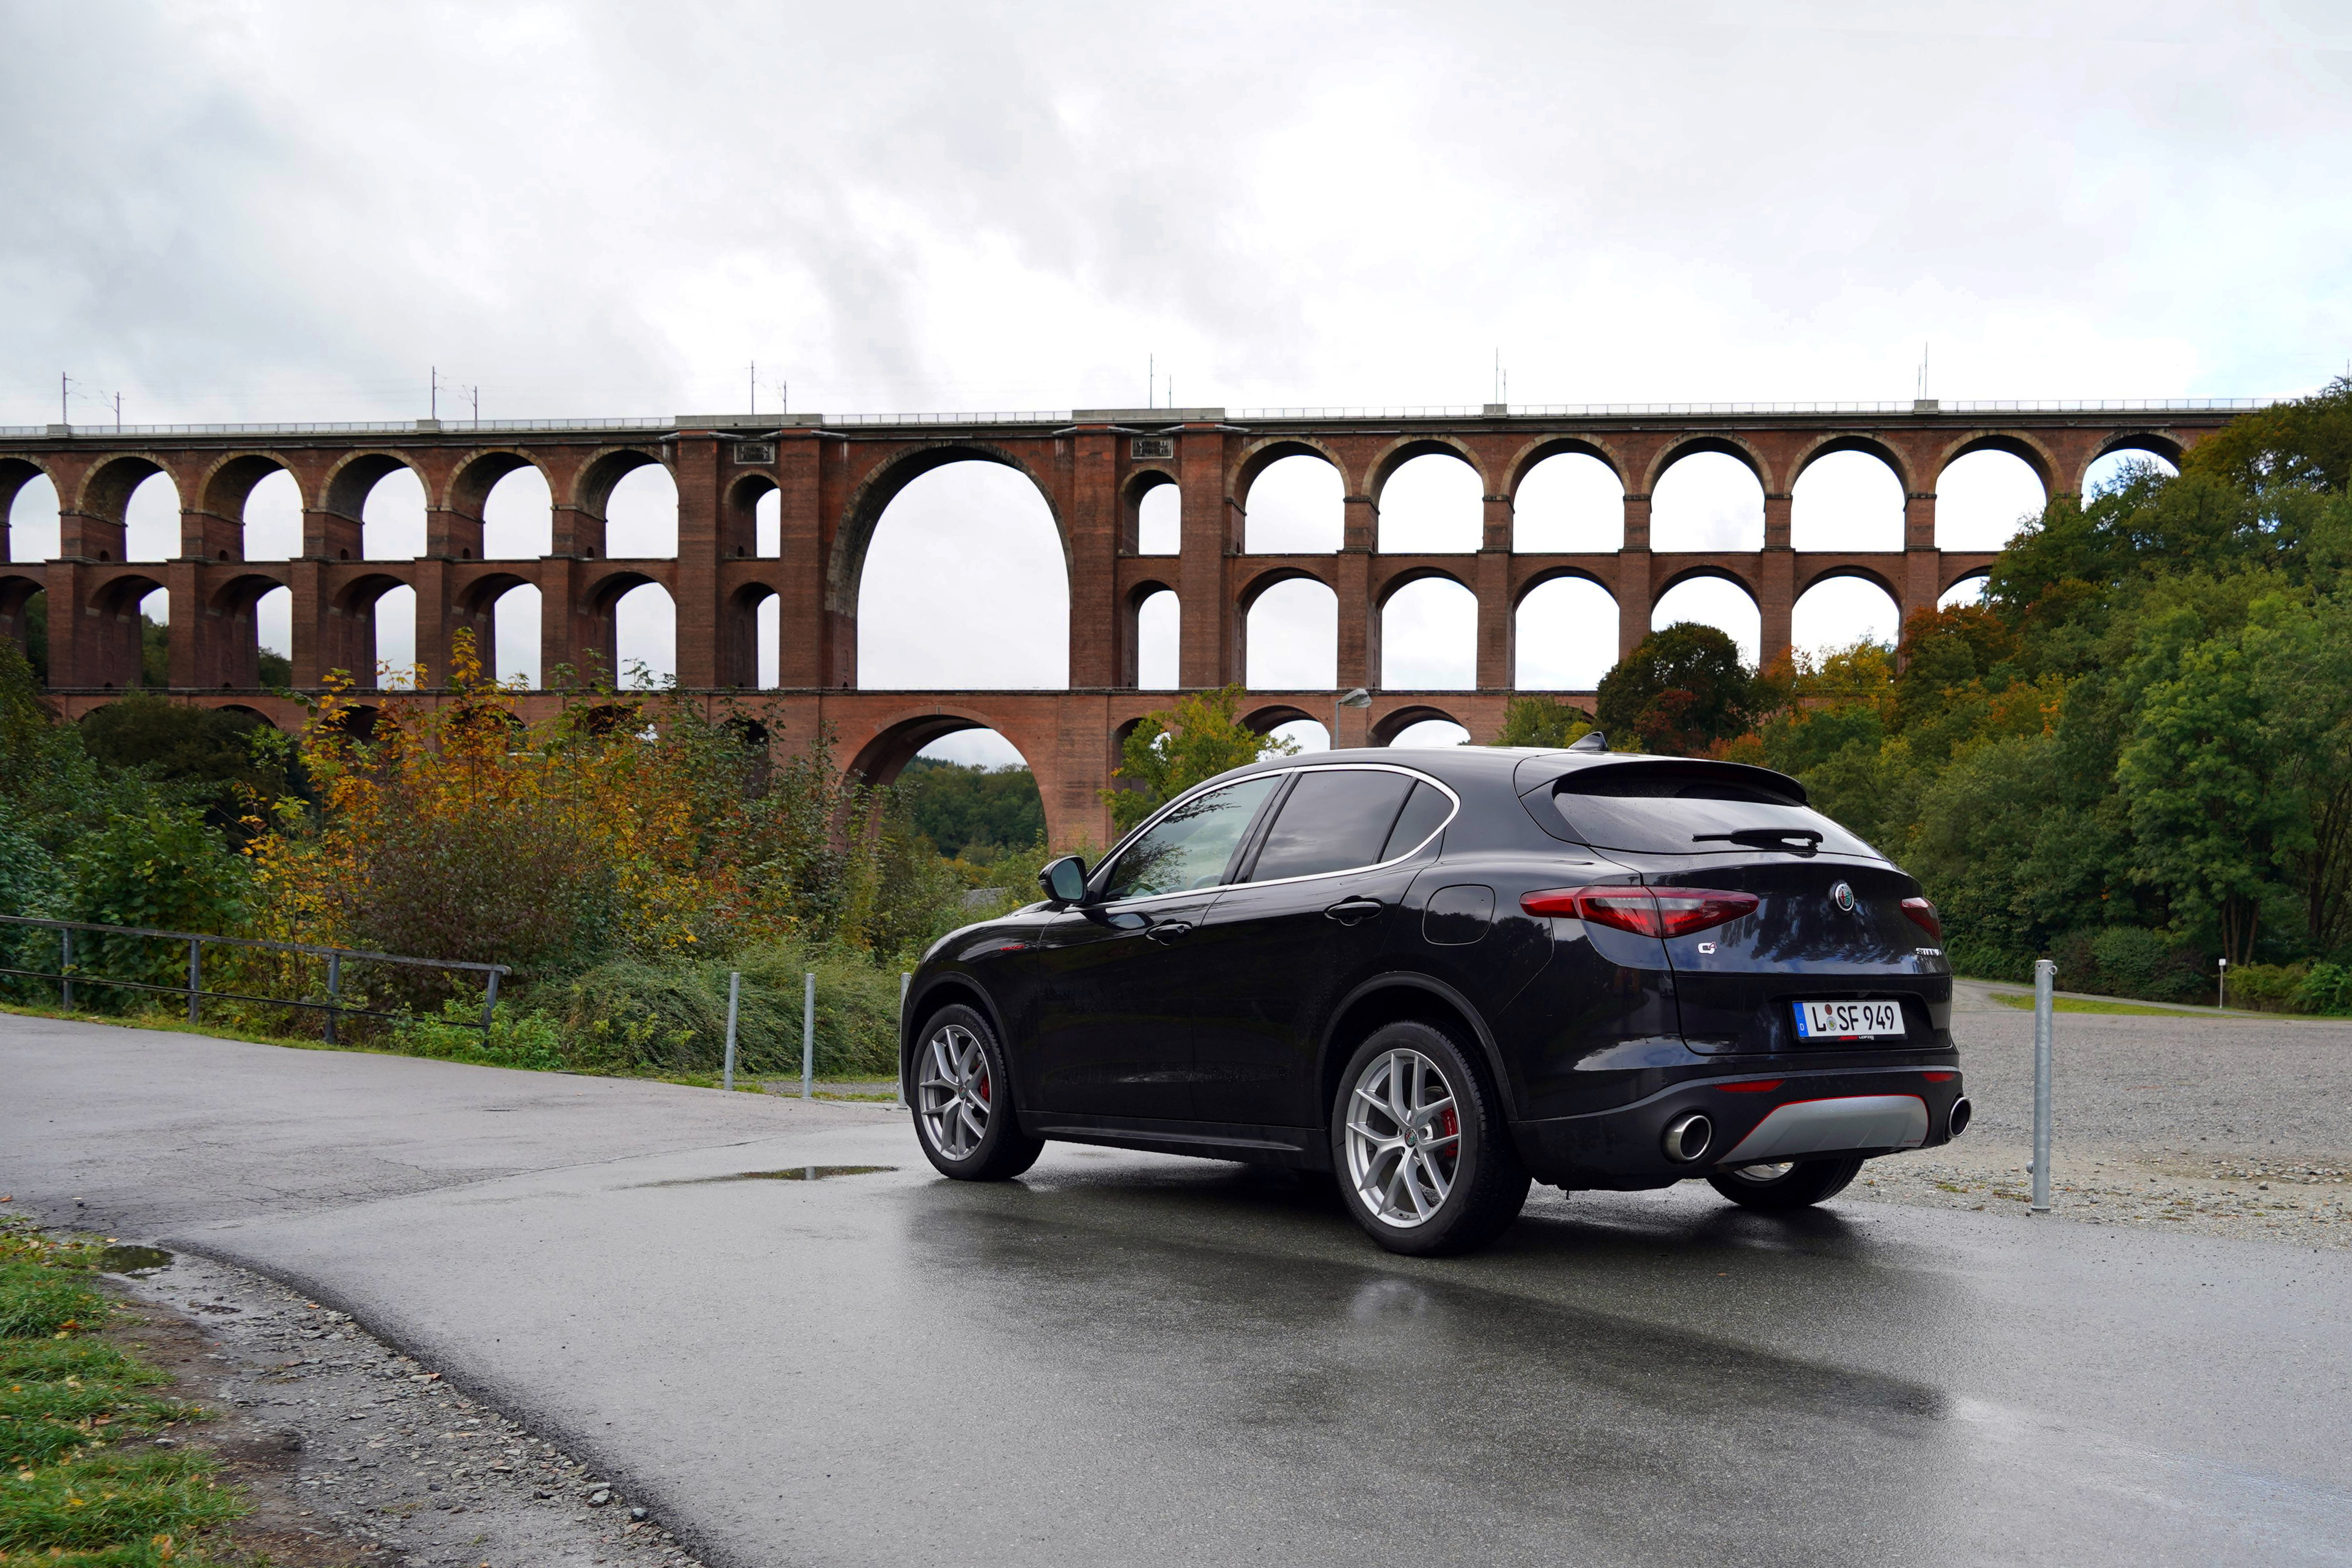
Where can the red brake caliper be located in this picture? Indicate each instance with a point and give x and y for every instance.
(983, 1089)
(1450, 1127)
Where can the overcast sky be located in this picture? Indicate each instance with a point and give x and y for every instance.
(282, 212)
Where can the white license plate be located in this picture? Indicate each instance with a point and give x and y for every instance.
(1849, 1021)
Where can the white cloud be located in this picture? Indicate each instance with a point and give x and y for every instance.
(265, 211)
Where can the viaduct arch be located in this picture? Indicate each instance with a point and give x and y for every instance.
(833, 477)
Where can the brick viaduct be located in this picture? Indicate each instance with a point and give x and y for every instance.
(835, 477)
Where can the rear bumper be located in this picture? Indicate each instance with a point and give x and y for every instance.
(1807, 1115)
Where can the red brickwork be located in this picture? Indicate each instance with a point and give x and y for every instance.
(836, 480)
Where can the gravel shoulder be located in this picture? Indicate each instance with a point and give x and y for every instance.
(353, 1453)
(2221, 1125)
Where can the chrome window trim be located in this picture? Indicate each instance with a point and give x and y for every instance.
(1284, 773)
(1198, 792)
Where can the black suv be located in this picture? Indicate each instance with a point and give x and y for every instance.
(1442, 974)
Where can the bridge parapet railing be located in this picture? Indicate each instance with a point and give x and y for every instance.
(1246, 415)
(334, 1009)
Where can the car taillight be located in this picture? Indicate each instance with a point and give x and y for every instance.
(1689, 909)
(1923, 914)
(1644, 911)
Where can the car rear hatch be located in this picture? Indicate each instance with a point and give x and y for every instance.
(1788, 933)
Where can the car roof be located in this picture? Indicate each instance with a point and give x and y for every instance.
(1520, 768)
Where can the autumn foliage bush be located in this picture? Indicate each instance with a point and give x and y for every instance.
(632, 822)
(638, 836)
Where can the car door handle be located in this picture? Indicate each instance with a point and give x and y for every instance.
(1167, 930)
(1349, 911)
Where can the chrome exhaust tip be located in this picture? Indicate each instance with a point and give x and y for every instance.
(1957, 1122)
(1687, 1136)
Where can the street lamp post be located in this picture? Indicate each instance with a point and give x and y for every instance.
(1359, 697)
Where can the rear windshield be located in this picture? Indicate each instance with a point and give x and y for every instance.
(1691, 810)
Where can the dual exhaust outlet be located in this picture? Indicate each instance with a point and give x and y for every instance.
(1689, 1135)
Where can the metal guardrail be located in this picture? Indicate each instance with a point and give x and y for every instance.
(1644, 410)
(1025, 416)
(1062, 416)
(347, 427)
(67, 975)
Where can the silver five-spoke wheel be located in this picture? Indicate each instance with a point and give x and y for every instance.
(1404, 1139)
(952, 1096)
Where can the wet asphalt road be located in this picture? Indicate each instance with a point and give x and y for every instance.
(1132, 1359)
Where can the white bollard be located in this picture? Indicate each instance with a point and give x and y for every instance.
(808, 1036)
(734, 995)
(2044, 974)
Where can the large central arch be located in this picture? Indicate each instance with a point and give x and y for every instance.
(922, 516)
(846, 566)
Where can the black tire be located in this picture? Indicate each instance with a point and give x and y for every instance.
(1801, 1184)
(1477, 1194)
(961, 1099)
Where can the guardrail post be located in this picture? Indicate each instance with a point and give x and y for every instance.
(335, 992)
(899, 1079)
(808, 1036)
(193, 988)
(734, 995)
(2044, 974)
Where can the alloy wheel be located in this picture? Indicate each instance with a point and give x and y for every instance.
(1404, 1139)
(953, 1097)
(1771, 1170)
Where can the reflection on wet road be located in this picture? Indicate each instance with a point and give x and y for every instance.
(1220, 1362)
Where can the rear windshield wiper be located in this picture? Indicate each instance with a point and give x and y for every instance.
(1794, 841)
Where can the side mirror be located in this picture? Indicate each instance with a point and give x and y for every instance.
(1065, 881)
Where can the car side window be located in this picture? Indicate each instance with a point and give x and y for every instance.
(1191, 846)
(1334, 819)
(1422, 815)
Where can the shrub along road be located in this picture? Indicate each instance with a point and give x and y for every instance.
(1140, 1360)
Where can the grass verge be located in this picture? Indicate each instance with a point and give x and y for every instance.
(73, 1494)
(2079, 1005)
(167, 1023)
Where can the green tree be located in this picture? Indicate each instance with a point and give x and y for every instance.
(45, 773)
(2304, 445)
(1544, 722)
(2008, 852)
(2203, 773)
(2315, 671)
(1946, 651)
(1171, 750)
(37, 636)
(1682, 691)
(154, 654)
(161, 868)
(227, 762)
(960, 808)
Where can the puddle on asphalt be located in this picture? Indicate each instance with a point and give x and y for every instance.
(129, 1260)
(796, 1172)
